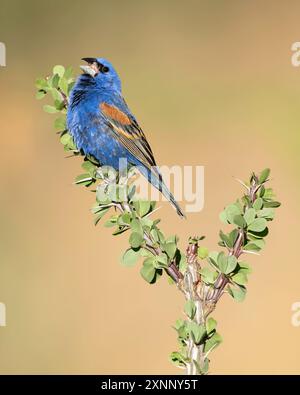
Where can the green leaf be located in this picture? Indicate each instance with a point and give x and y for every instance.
(225, 240)
(49, 109)
(67, 140)
(40, 95)
(258, 203)
(250, 215)
(64, 86)
(264, 175)
(54, 81)
(251, 247)
(146, 253)
(161, 261)
(205, 367)
(161, 236)
(231, 264)
(213, 258)
(150, 261)
(68, 73)
(213, 342)
(119, 230)
(142, 207)
(239, 206)
(251, 235)
(41, 83)
(130, 257)
(70, 87)
(258, 225)
(146, 223)
(172, 239)
(262, 191)
(56, 95)
(197, 332)
(231, 211)
(83, 179)
(268, 194)
(210, 325)
(101, 195)
(240, 278)
(136, 239)
(182, 264)
(124, 219)
(203, 252)
(222, 261)
(226, 264)
(179, 323)
(238, 293)
(232, 237)
(137, 227)
(254, 245)
(267, 213)
(190, 309)
(170, 249)
(272, 204)
(100, 215)
(148, 271)
(154, 235)
(89, 167)
(60, 124)
(244, 267)
(60, 70)
(152, 206)
(112, 221)
(97, 208)
(178, 359)
(181, 328)
(223, 217)
(239, 221)
(59, 104)
(208, 276)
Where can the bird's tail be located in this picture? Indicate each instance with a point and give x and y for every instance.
(155, 178)
(167, 194)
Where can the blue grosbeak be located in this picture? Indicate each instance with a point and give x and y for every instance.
(103, 127)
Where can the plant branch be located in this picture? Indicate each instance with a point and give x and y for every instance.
(202, 284)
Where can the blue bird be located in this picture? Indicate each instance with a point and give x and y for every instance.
(103, 127)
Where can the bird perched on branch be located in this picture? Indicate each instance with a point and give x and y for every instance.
(103, 126)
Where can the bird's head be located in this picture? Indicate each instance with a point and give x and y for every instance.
(103, 73)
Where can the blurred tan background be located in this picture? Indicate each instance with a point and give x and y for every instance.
(212, 84)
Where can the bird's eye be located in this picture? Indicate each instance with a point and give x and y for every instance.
(104, 69)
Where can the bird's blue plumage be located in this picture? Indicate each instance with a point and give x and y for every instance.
(102, 125)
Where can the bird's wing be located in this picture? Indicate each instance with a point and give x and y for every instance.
(127, 131)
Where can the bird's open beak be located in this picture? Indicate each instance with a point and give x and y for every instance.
(91, 68)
